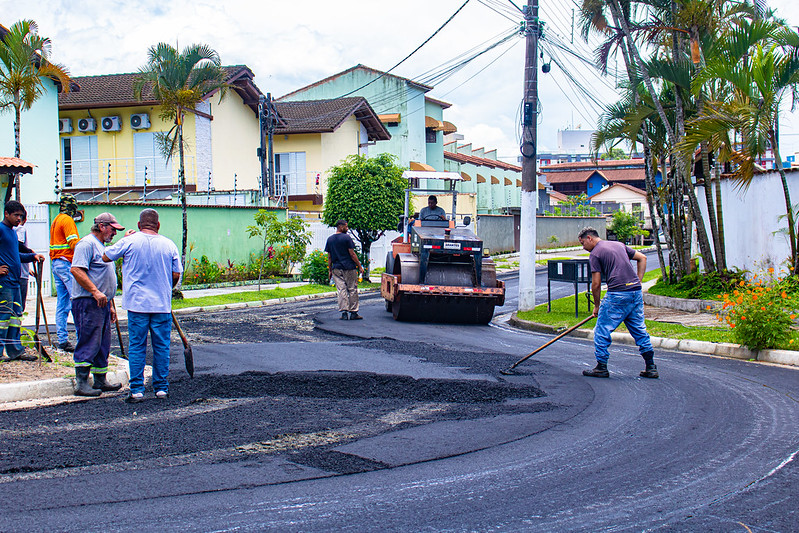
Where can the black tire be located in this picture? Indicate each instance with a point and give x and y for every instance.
(388, 306)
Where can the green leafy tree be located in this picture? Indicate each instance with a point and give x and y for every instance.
(292, 233)
(369, 194)
(24, 64)
(179, 81)
(627, 225)
(614, 153)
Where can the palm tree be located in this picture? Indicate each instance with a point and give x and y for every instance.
(180, 81)
(758, 88)
(24, 64)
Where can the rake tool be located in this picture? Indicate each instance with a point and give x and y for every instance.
(510, 371)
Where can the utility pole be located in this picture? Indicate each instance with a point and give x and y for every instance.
(270, 132)
(262, 147)
(529, 154)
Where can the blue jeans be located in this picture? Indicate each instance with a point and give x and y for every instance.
(10, 320)
(615, 308)
(63, 288)
(160, 327)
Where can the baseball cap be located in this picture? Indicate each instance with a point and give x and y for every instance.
(108, 218)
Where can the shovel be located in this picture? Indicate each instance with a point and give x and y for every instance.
(188, 356)
(37, 272)
(510, 371)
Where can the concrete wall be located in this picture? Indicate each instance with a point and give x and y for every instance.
(496, 231)
(217, 232)
(566, 230)
(753, 230)
(38, 144)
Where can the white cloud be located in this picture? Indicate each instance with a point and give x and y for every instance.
(291, 44)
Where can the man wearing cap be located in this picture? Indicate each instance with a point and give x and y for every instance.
(63, 239)
(93, 306)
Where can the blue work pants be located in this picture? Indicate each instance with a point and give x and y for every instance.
(63, 287)
(159, 325)
(615, 308)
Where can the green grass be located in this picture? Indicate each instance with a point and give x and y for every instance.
(562, 316)
(258, 296)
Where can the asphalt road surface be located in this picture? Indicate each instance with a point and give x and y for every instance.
(297, 421)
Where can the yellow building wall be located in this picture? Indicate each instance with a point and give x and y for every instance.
(116, 147)
(234, 144)
(467, 203)
(322, 151)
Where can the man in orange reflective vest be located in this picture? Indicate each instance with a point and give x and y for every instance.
(63, 239)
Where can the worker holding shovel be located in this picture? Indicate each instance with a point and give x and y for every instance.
(93, 290)
(623, 301)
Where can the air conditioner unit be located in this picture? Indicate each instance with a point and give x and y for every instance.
(140, 121)
(111, 124)
(86, 124)
(64, 125)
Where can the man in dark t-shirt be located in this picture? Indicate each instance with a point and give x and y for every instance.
(623, 302)
(343, 265)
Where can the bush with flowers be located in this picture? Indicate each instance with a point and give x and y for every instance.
(760, 311)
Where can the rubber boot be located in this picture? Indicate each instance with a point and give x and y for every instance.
(102, 384)
(82, 382)
(599, 371)
(651, 370)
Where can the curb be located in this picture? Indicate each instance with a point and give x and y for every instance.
(718, 349)
(682, 304)
(264, 303)
(50, 388)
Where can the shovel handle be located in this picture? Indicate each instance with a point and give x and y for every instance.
(528, 356)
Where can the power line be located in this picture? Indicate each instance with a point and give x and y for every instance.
(415, 50)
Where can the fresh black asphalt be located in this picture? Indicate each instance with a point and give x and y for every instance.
(297, 421)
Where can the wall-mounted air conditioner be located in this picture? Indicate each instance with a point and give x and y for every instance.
(64, 125)
(111, 124)
(86, 124)
(140, 121)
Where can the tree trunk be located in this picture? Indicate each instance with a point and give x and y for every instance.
(182, 180)
(720, 218)
(652, 199)
(711, 207)
(13, 179)
(684, 167)
(787, 194)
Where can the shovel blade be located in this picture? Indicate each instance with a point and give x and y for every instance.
(188, 357)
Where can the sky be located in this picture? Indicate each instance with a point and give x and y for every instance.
(292, 44)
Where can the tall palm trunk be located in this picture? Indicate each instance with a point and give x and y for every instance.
(13, 179)
(651, 198)
(772, 137)
(182, 185)
(720, 218)
(684, 166)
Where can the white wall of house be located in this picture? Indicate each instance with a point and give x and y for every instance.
(752, 225)
(629, 200)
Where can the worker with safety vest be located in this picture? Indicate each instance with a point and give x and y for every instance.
(63, 239)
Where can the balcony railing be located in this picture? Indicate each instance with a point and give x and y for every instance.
(124, 172)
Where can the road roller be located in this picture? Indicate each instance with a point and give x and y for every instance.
(436, 270)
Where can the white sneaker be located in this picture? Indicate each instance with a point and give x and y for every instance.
(162, 395)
